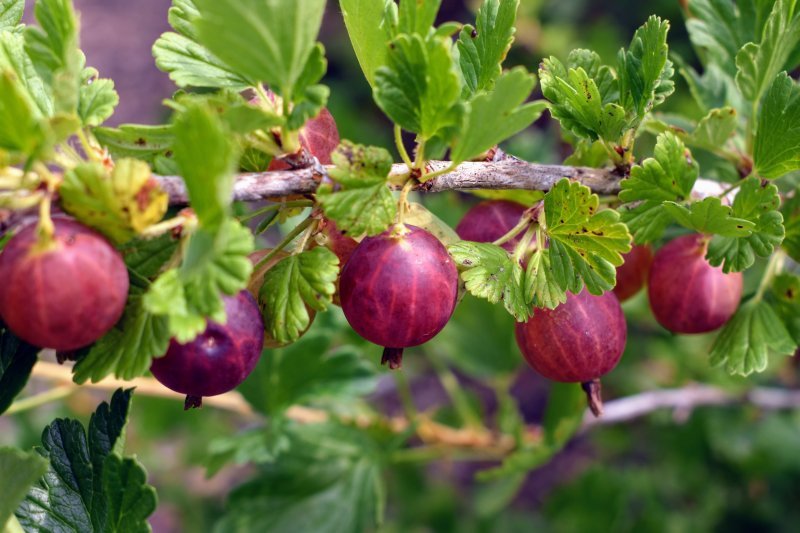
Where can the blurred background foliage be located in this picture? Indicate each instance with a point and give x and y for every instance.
(729, 468)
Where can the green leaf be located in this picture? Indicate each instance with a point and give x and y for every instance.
(714, 130)
(588, 154)
(20, 128)
(129, 348)
(494, 117)
(10, 15)
(490, 273)
(786, 289)
(363, 21)
(329, 480)
(206, 157)
(310, 371)
(413, 16)
(576, 102)
(262, 41)
(668, 176)
(151, 144)
(13, 57)
(644, 71)
(53, 48)
(483, 48)
(366, 205)
(541, 287)
(89, 486)
(147, 257)
(566, 405)
(190, 64)
(720, 28)
(419, 88)
(757, 204)
(16, 362)
(18, 471)
(746, 340)
(777, 141)
(711, 217)
(759, 62)
(294, 283)
(585, 244)
(96, 101)
(214, 264)
(119, 203)
(791, 215)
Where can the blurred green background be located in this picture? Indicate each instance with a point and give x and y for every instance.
(721, 468)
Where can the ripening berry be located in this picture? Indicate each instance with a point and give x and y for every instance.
(490, 220)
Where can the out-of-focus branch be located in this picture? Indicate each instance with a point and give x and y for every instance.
(685, 400)
(478, 442)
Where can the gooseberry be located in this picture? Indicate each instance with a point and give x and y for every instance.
(64, 294)
(687, 294)
(632, 274)
(490, 220)
(399, 289)
(217, 360)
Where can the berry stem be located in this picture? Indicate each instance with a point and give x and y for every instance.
(594, 397)
(525, 242)
(419, 159)
(732, 188)
(523, 223)
(301, 244)
(402, 203)
(88, 149)
(401, 148)
(448, 169)
(37, 400)
(285, 242)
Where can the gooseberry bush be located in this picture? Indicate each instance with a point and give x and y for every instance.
(139, 249)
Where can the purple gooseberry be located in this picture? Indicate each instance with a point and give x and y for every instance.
(490, 220)
(65, 295)
(399, 289)
(218, 359)
(577, 342)
(687, 294)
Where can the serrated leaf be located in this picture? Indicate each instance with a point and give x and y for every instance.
(541, 288)
(777, 141)
(576, 102)
(645, 73)
(585, 244)
(88, 486)
(129, 348)
(16, 362)
(96, 101)
(20, 128)
(53, 48)
(490, 273)
(419, 88)
(119, 203)
(365, 206)
(10, 15)
(759, 205)
(668, 176)
(714, 130)
(328, 479)
(495, 116)
(151, 144)
(483, 48)
(214, 264)
(415, 16)
(747, 339)
(713, 89)
(131, 499)
(759, 62)
(262, 41)
(305, 279)
(588, 154)
(363, 21)
(709, 216)
(190, 64)
(206, 157)
(15, 58)
(791, 215)
(146, 257)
